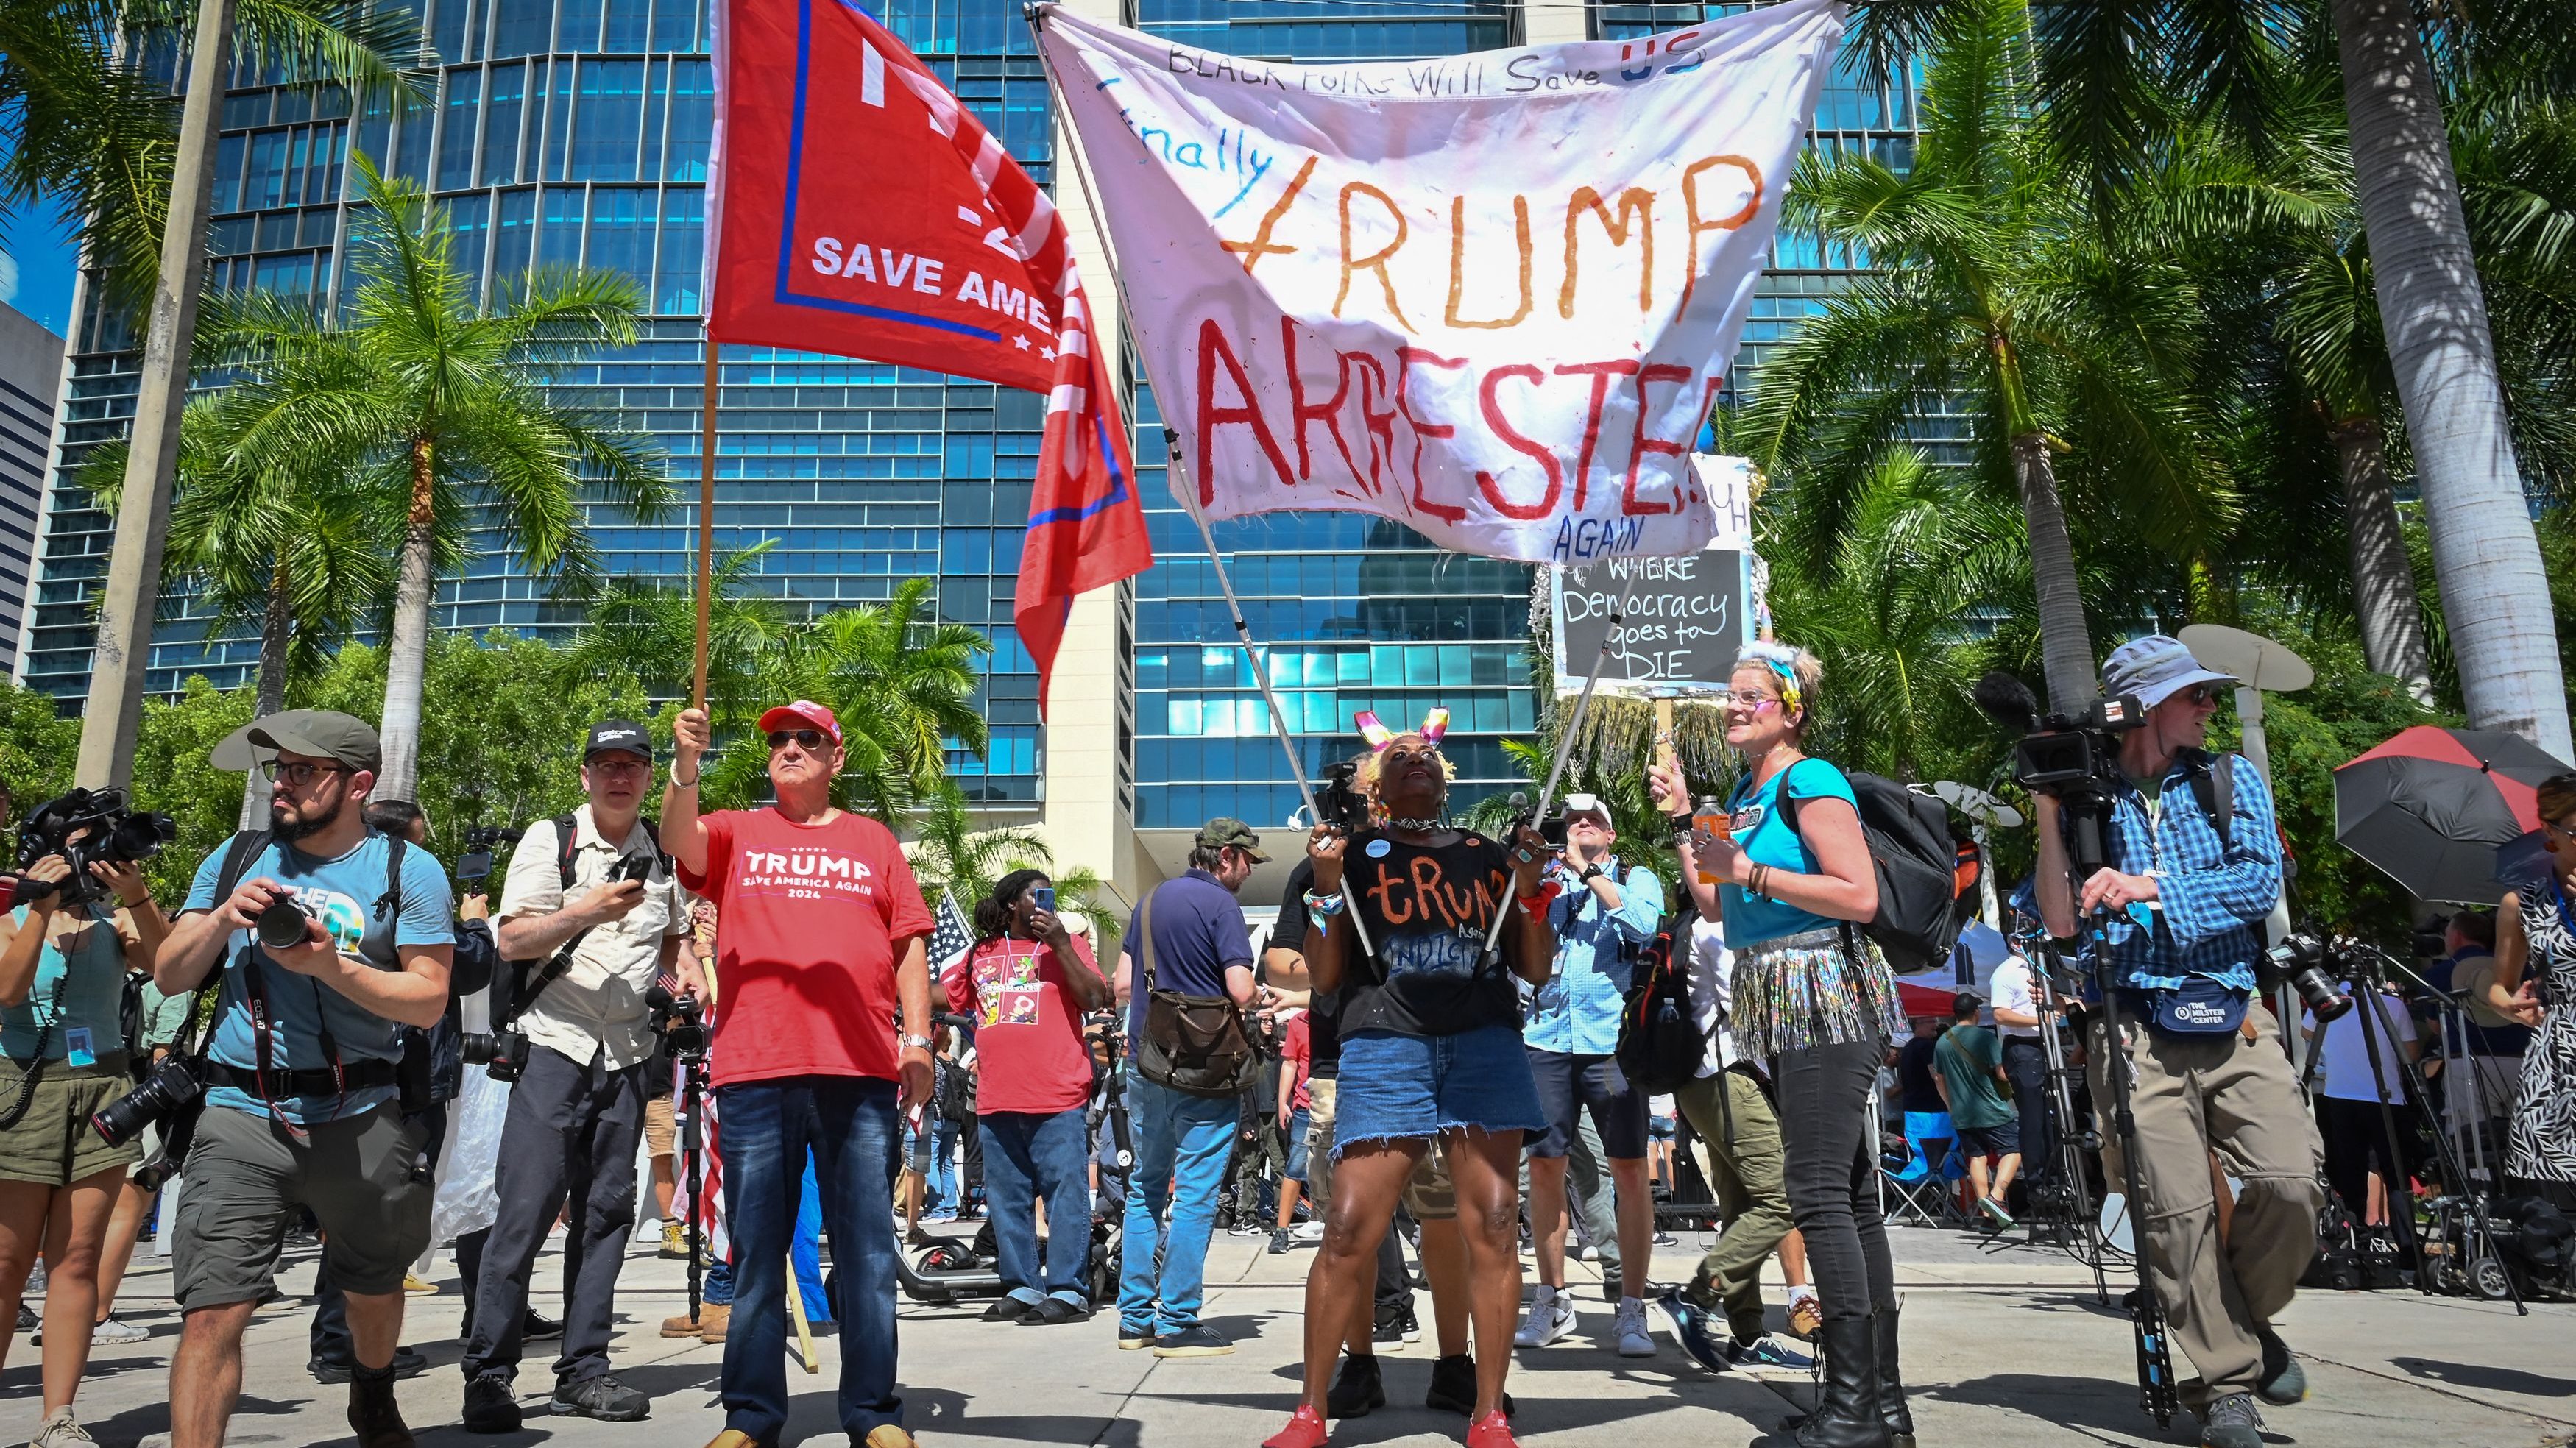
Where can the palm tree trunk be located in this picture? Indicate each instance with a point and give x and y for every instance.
(275, 635)
(2066, 645)
(2495, 593)
(2383, 578)
(407, 659)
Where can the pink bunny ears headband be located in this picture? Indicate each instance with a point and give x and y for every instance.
(1435, 725)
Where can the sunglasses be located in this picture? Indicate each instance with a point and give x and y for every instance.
(2203, 693)
(809, 740)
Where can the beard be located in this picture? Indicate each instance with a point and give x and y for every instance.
(290, 827)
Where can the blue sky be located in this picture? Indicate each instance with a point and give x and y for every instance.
(37, 262)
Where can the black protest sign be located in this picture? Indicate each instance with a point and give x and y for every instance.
(1685, 618)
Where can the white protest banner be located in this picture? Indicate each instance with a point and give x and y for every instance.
(1491, 296)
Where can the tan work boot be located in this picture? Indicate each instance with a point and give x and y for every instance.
(681, 1325)
(887, 1435)
(712, 1320)
(733, 1438)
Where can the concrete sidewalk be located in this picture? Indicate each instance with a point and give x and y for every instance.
(2003, 1348)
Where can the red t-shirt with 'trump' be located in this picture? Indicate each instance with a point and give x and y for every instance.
(809, 920)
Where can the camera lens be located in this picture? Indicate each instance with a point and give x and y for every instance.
(281, 925)
(170, 1086)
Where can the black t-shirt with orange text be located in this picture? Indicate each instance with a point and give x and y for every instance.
(1426, 911)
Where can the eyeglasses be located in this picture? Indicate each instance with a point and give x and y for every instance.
(617, 764)
(298, 773)
(809, 740)
(1752, 699)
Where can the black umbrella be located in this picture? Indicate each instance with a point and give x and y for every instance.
(2431, 806)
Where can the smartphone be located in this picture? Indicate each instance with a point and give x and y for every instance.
(1046, 898)
(633, 867)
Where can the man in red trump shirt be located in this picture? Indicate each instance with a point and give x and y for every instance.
(823, 942)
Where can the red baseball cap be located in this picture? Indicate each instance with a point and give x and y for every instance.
(804, 713)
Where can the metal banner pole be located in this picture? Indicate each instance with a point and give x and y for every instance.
(706, 522)
(1186, 492)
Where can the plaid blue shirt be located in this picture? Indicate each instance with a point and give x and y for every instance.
(2211, 898)
(1576, 1013)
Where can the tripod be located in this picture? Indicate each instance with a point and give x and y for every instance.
(2087, 810)
(693, 1089)
(2074, 1136)
(2369, 966)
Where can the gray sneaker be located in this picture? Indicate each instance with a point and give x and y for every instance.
(2231, 1422)
(1197, 1341)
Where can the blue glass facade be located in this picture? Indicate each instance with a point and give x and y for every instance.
(576, 131)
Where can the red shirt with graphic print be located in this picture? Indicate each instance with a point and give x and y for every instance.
(810, 920)
(1028, 1035)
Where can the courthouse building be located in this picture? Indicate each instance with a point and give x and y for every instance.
(567, 131)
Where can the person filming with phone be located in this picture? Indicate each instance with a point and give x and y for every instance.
(330, 938)
(590, 919)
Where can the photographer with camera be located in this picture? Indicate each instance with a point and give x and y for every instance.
(330, 937)
(83, 918)
(2193, 865)
(824, 949)
(587, 895)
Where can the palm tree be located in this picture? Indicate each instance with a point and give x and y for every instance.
(302, 553)
(951, 852)
(84, 127)
(446, 400)
(902, 684)
(647, 628)
(2108, 73)
(1998, 292)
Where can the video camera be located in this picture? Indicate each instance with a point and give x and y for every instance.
(2059, 753)
(681, 1021)
(476, 863)
(109, 831)
(1338, 803)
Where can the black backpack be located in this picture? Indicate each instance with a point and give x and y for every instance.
(1660, 1047)
(1917, 923)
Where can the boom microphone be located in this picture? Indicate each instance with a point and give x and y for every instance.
(2008, 701)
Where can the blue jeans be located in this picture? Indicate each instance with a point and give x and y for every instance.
(943, 1165)
(1181, 1146)
(849, 1124)
(1026, 1155)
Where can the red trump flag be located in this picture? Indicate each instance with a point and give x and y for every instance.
(859, 209)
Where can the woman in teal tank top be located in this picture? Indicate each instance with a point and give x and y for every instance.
(62, 981)
(1815, 1002)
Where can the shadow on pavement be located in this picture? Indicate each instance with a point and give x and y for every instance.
(2489, 1378)
(2101, 1405)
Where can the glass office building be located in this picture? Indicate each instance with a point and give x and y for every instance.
(576, 131)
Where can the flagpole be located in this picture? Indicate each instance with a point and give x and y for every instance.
(1186, 493)
(1565, 736)
(706, 520)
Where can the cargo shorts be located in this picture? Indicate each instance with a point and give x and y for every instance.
(362, 1175)
(53, 1144)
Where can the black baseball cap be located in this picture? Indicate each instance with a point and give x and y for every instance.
(619, 736)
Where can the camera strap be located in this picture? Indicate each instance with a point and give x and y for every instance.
(246, 847)
(567, 850)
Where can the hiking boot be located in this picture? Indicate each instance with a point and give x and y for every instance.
(373, 1415)
(712, 1321)
(2283, 1382)
(1453, 1387)
(602, 1397)
(491, 1406)
(2231, 1422)
(1358, 1388)
(675, 1243)
(1805, 1316)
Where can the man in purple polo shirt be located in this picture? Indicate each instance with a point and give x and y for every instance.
(1199, 946)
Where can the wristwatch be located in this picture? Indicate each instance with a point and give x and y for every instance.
(1592, 873)
(922, 1041)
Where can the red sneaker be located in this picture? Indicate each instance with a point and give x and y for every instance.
(1492, 1431)
(1306, 1430)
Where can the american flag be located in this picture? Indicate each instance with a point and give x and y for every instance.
(951, 938)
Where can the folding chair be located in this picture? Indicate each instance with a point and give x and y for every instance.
(1919, 1187)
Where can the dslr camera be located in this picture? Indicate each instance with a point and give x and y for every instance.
(2309, 964)
(172, 1086)
(502, 1053)
(110, 832)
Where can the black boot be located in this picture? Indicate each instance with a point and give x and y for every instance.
(1891, 1385)
(1846, 1413)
